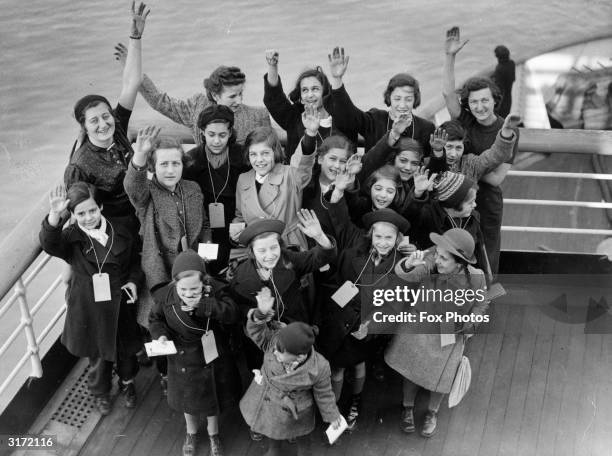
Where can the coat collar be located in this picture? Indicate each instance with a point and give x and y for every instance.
(247, 282)
(120, 239)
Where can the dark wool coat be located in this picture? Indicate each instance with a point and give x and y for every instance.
(415, 352)
(337, 323)
(287, 276)
(92, 329)
(161, 228)
(289, 116)
(194, 386)
(283, 406)
(375, 123)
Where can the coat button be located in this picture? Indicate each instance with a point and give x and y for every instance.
(183, 369)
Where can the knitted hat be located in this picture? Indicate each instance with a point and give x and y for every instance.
(259, 227)
(297, 338)
(187, 261)
(215, 112)
(458, 242)
(452, 188)
(386, 215)
(79, 107)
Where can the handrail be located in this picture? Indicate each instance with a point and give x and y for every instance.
(21, 247)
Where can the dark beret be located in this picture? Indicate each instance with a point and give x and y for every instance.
(386, 215)
(261, 226)
(215, 112)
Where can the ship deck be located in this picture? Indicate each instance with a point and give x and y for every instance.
(541, 388)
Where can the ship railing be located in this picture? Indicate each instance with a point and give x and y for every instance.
(21, 250)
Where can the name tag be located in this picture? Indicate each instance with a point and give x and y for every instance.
(208, 251)
(101, 287)
(345, 293)
(210, 347)
(184, 245)
(216, 215)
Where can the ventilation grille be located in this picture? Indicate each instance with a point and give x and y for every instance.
(77, 405)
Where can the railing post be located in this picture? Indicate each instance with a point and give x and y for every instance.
(26, 319)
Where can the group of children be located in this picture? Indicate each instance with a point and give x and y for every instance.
(293, 241)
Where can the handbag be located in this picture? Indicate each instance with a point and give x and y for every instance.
(461, 383)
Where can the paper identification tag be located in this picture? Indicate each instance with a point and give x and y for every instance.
(447, 339)
(210, 347)
(101, 287)
(157, 348)
(236, 228)
(216, 215)
(324, 268)
(333, 434)
(208, 251)
(345, 293)
(184, 245)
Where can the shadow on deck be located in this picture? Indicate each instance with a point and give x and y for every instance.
(541, 388)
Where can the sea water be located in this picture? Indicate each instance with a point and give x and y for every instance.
(54, 52)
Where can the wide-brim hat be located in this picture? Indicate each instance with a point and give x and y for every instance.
(386, 215)
(259, 227)
(458, 242)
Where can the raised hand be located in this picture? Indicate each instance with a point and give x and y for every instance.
(120, 53)
(272, 57)
(338, 62)
(362, 332)
(423, 183)
(512, 121)
(146, 140)
(405, 247)
(309, 223)
(416, 258)
(57, 200)
(139, 18)
(353, 164)
(400, 124)
(453, 42)
(344, 180)
(310, 119)
(265, 301)
(438, 139)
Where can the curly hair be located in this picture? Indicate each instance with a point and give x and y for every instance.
(295, 95)
(222, 76)
(402, 80)
(475, 84)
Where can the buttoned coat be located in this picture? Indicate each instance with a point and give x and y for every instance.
(160, 225)
(195, 386)
(415, 351)
(280, 197)
(283, 405)
(92, 329)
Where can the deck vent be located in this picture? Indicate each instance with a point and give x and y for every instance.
(77, 405)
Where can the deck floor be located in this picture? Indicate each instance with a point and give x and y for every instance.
(542, 388)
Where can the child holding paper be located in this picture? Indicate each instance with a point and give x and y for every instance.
(279, 403)
(202, 379)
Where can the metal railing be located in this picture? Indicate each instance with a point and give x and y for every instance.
(21, 248)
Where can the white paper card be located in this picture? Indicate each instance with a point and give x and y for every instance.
(447, 339)
(210, 347)
(236, 228)
(158, 348)
(333, 434)
(345, 293)
(101, 287)
(208, 251)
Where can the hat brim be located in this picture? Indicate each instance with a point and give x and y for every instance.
(260, 227)
(443, 242)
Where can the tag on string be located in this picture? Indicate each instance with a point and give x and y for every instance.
(208, 250)
(210, 347)
(216, 215)
(101, 287)
(345, 293)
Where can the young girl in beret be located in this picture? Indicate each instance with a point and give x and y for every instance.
(280, 402)
(201, 381)
(271, 266)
